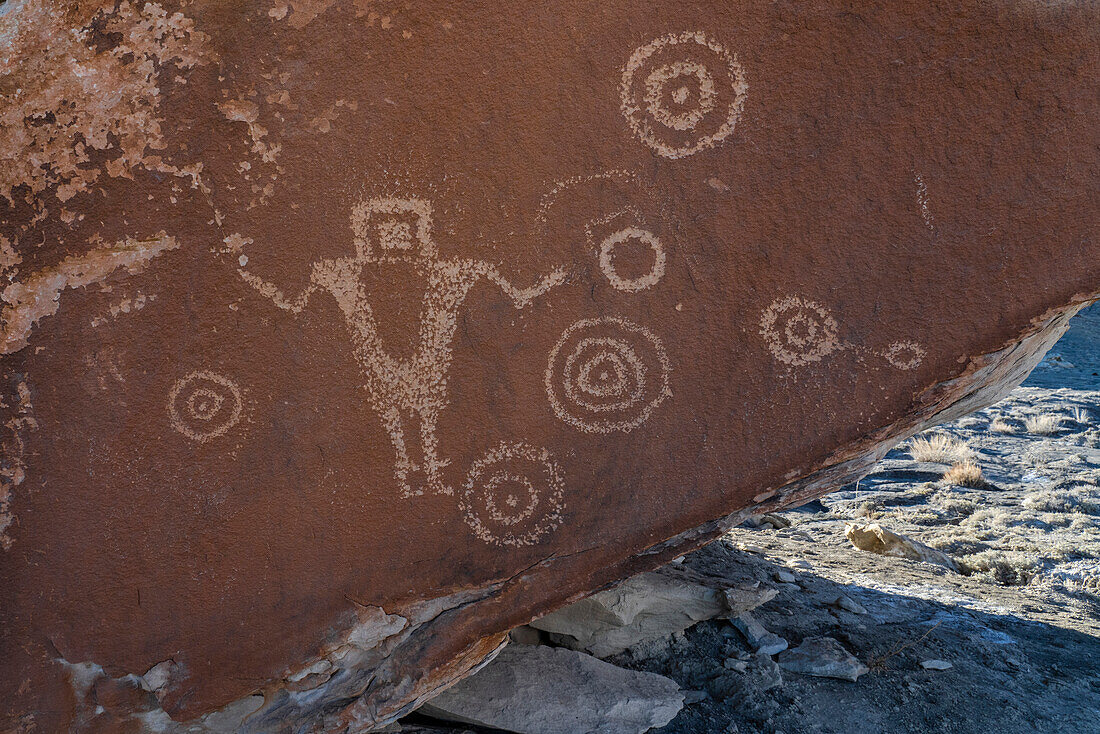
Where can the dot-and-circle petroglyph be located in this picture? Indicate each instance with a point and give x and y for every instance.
(204, 405)
(799, 332)
(513, 495)
(683, 93)
(905, 355)
(607, 374)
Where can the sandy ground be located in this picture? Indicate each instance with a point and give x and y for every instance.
(1020, 625)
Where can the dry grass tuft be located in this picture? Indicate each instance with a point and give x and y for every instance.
(1000, 425)
(965, 474)
(1043, 425)
(940, 448)
(1080, 415)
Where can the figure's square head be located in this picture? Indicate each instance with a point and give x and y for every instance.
(393, 229)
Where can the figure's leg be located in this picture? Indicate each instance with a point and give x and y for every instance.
(391, 419)
(429, 441)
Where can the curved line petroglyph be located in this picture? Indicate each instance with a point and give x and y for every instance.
(506, 503)
(799, 332)
(683, 93)
(607, 374)
(413, 391)
(204, 405)
(546, 201)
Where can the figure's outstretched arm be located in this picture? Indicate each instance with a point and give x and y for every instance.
(522, 296)
(270, 291)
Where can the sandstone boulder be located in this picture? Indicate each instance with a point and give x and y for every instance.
(340, 337)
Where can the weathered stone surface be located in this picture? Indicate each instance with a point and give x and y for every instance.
(545, 690)
(341, 336)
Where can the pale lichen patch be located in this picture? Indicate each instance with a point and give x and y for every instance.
(79, 111)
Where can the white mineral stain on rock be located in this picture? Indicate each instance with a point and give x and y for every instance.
(50, 126)
(37, 296)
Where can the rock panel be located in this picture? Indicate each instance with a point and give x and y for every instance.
(340, 337)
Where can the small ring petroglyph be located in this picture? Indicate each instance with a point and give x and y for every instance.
(641, 282)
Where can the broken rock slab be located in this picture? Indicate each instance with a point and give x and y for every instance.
(876, 539)
(823, 657)
(760, 638)
(646, 608)
(547, 690)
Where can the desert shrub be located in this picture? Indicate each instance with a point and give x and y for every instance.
(965, 474)
(1043, 425)
(939, 448)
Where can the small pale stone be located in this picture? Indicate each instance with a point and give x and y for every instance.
(785, 577)
(849, 605)
(733, 664)
(935, 665)
(746, 598)
(876, 539)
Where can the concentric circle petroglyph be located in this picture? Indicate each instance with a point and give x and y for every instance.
(607, 375)
(204, 405)
(683, 93)
(905, 355)
(513, 495)
(639, 282)
(798, 331)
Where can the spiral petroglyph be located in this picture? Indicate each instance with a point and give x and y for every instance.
(798, 331)
(513, 495)
(683, 93)
(607, 375)
(204, 405)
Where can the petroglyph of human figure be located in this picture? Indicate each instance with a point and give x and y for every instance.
(413, 390)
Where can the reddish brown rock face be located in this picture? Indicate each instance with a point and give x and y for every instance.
(340, 337)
